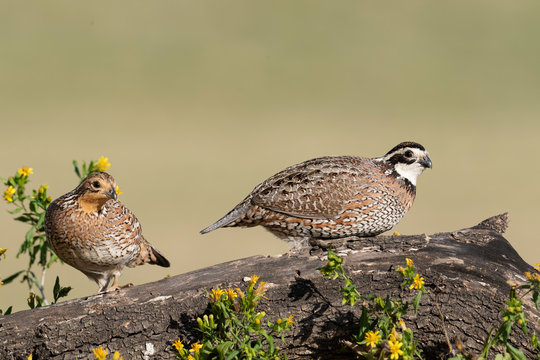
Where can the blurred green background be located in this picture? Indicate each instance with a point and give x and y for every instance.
(194, 103)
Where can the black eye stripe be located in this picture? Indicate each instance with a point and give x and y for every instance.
(401, 159)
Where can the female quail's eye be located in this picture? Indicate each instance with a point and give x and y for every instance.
(408, 153)
(96, 184)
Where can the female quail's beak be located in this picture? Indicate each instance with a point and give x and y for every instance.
(112, 193)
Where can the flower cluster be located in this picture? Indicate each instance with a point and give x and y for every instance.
(8, 193)
(413, 280)
(85, 169)
(30, 209)
(383, 334)
(234, 327)
(101, 354)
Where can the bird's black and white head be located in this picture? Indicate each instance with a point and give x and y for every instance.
(408, 160)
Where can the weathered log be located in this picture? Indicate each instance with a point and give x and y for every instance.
(467, 271)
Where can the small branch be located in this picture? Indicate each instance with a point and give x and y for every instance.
(354, 347)
(41, 286)
(450, 350)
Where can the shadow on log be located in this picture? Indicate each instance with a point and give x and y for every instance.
(467, 270)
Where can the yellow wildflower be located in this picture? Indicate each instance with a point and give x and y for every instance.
(103, 164)
(372, 338)
(25, 171)
(117, 356)
(395, 233)
(216, 294)
(118, 191)
(394, 335)
(400, 269)
(395, 349)
(253, 280)
(43, 188)
(195, 347)
(231, 294)
(289, 320)
(30, 357)
(3, 252)
(178, 345)
(409, 262)
(537, 266)
(190, 357)
(418, 282)
(240, 293)
(261, 289)
(8, 193)
(100, 353)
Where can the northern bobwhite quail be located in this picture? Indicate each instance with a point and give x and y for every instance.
(93, 232)
(333, 197)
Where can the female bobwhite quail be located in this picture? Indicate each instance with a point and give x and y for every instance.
(93, 232)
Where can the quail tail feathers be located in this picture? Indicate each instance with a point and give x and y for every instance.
(157, 259)
(231, 217)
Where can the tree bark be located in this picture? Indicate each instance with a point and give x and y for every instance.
(467, 271)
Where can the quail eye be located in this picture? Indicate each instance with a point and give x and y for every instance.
(408, 153)
(96, 184)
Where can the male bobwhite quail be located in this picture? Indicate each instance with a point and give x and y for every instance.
(93, 232)
(333, 197)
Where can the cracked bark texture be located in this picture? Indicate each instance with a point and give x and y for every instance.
(467, 271)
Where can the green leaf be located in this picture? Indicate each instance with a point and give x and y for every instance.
(56, 288)
(416, 301)
(24, 218)
(12, 277)
(33, 206)
(506, 330)
(233, 355)
(536, 297)
(40, 220)
(76, 166)
(223, 348)
(60, 291)
(515, 353)
(15, 211)
(8, 311)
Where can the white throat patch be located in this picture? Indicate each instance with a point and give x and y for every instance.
(409, 172)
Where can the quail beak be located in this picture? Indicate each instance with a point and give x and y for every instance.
(426, 162)
(112, 193)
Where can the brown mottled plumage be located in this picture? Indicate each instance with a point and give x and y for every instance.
(333, 197)
(93, 232)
